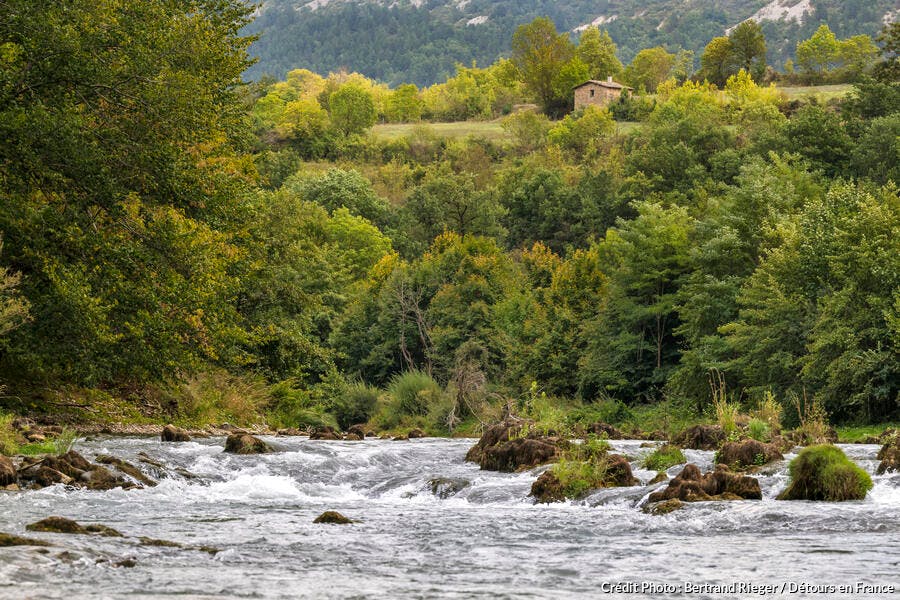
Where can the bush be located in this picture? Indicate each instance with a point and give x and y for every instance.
(607, 410)
(759, 430)
(8, 443)
(414, 392)
(290, 406)
(217, 396)
(355, 404)
(664, 457)
(825, 473)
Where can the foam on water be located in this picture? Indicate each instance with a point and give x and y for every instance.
(487, 538)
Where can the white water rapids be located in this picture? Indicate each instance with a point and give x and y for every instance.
(486, 540)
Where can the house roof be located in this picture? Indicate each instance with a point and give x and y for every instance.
(606, 84)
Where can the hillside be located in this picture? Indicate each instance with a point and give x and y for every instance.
(420, 41)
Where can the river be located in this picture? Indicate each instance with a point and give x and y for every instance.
(486, 540)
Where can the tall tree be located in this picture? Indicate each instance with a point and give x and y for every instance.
(120, 184)
(540, 52)
(598, 51)
(748, 45)
(649, 68)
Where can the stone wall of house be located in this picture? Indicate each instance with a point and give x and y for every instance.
(602, 96)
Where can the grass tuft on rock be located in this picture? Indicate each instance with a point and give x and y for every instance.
(664, 457)
(824, 472)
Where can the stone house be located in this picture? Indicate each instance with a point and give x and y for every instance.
(598, 93)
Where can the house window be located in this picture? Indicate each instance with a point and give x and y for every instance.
(592, 93)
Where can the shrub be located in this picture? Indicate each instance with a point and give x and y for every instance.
(759, 430)
(825, 473)
(726, 412)
(414, 392)
(664, 457)
(8, 443)
(217, 396)
(607, 410)
(290, 406)
(769, 411)
(549, 415)
(355, 404)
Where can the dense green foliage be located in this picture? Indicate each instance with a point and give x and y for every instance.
(402, 41)
(221, 251)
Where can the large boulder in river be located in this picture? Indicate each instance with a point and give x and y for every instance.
(243, 443)
(721, 484)
(324, 433)
(742, 455)
(700, 437)
(824, 472)
(501, 448)
(889, 455)
(547, 488)
(170, 433)
(8, 474)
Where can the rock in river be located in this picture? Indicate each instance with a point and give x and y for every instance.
(170, 433)
(502, 449)
(747, 453)
(8, 475)
(721, 484)
(64, 525)
(333, 517)
(242, 443)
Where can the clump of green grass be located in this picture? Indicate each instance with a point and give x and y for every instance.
(825, 473)
(578, 477)
(8, 445)
(759, 430)
(217, 396)
(664, 457)
(726, 412)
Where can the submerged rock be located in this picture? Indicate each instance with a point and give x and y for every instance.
(721, 484)
(64, 525)
(741, 455)
(170, 433)
(333, 517)
(700, 437)
(824, 472)
(242, 443)
(7, 539)
(125, 467)
(501, 448)
(663, 507)
(444, 487)
(660, 477)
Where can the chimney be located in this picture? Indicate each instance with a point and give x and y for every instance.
(609, 79)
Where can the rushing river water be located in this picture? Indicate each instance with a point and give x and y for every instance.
(486, 540)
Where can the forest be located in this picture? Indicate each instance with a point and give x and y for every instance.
(178, 245)
(401, 41)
